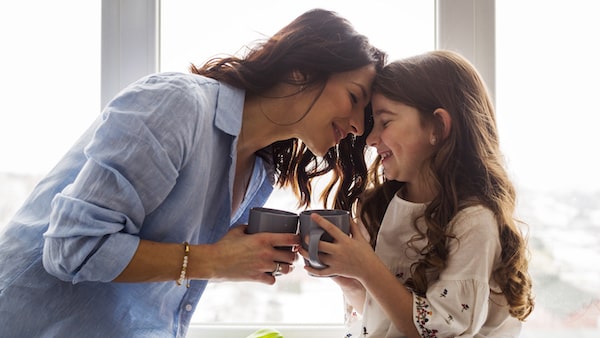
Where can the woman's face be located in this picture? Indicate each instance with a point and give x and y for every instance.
(339, 110)
(402, 141)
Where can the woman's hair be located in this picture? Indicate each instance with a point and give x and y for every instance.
(317, 44)
(467, 169)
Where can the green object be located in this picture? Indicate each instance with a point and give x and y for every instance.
(266, 333)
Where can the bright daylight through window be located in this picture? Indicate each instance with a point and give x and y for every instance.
(546, 75)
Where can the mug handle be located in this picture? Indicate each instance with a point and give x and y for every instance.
(313, 248)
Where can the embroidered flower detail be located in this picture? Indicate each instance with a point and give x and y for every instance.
(365, 331)
(464, 307)
(422, 316)
(444, 293)
(449, 319)
(400, 275)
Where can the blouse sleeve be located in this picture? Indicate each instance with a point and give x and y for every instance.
(132, 163)
(456, 305)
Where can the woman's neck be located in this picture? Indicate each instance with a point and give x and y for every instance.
(258, 129)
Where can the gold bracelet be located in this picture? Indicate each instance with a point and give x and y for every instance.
(182, 275)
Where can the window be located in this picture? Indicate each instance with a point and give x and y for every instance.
(547, 69)
(50, 66)
(545, 84)
(192, 32)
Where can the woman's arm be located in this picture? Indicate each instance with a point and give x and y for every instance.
(237, 256)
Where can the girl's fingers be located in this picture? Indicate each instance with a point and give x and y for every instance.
(329, 227)
(356, 231)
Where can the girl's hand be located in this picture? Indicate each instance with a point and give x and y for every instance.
(346, 256)
(242, 257)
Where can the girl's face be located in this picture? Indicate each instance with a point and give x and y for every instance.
(339, 110)
(402, 141)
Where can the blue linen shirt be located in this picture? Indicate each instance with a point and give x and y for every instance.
(158, 164)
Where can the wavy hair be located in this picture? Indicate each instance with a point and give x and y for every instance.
(467, 169)
(317, 44)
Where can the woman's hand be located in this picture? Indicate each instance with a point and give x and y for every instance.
(346, 256)
(242, 257)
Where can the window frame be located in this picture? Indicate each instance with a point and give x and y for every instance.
(131, 32)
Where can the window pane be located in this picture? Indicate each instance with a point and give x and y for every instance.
(548, 70)
(50, 66)
(192, 32)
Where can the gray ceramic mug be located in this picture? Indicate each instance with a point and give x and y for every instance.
(311, 233)
(272, 220)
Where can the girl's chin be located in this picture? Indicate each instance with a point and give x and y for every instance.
(389, 175)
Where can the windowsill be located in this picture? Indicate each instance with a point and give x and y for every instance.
(328, 331)
(241, 331)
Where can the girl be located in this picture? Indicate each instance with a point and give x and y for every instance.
(449, 258)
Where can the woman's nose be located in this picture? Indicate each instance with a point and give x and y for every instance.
(357, 123)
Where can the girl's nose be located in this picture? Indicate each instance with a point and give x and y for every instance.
(373, 137)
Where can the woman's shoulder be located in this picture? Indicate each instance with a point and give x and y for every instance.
(186, 84)
(178, 78)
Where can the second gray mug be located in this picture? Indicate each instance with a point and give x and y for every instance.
(311, 233)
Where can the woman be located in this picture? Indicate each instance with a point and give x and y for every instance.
(123, 234)
(446, 258)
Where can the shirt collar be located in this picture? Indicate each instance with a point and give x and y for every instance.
(230, 105)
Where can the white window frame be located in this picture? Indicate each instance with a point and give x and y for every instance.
(131, 49)
(131, 38)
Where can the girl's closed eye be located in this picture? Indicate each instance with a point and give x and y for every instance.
(353, 98)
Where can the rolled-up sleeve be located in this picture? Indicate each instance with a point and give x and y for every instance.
(133, 161)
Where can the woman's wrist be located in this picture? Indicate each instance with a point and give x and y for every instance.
(202, 262)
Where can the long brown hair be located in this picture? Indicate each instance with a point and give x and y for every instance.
(467, 167)
(317, 44)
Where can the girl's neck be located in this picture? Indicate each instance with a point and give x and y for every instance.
(417, 193)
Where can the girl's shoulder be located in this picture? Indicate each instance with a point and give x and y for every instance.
(475, 220)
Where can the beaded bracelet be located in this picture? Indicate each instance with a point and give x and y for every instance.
(182, 275)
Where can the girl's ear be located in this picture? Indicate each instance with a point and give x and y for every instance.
(443, 122)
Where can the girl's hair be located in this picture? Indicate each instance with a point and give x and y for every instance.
(467, 169)
(316, 45)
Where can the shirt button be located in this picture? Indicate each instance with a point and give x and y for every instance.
(188, 307)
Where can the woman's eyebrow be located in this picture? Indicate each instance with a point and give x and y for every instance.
(362, 89)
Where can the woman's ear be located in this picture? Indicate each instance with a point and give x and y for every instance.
(443, 122)
(298, 77)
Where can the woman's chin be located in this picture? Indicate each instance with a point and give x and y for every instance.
(319, 151)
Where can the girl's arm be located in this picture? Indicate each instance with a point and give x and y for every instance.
(354, 292)
(353, 257)
(457, 302)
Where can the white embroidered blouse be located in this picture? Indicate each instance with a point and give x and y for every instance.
(459, 303)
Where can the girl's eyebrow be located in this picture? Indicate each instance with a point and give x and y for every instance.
(381, 112)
